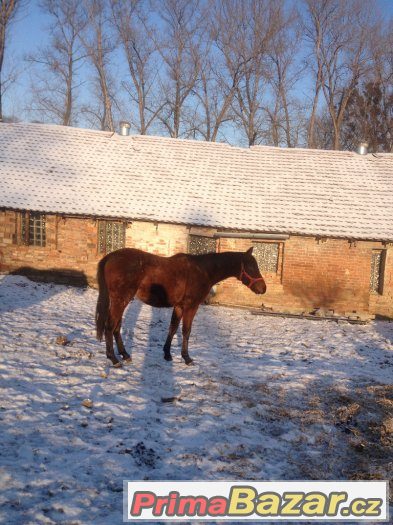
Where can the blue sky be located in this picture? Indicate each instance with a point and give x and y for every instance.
(30, 32)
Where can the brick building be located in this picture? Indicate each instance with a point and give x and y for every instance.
(320, 221)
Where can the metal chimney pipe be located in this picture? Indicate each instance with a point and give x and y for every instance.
(362, 148)
(124, 128)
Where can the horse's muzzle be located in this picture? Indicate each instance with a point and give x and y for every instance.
(259, 287)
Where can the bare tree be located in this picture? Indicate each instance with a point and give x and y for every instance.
(207, 110)
(8, 11)
(339, 32)
(381, 43)
(9, 75)
(286, 114)
(249, 57)
(256, 24)
(369, 112)
(57, 64)
(267, 64)
(219, 75)
(132, 27)
(323, 130)
(178, 43)
(369, 117)
(99, 46)
(233, 53)
(314, 27)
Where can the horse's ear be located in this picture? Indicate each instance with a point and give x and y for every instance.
(249, 251)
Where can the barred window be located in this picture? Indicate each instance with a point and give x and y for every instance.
(198, 244)
(33, 228)
(377, 267)
(267, 254)
(111, 236)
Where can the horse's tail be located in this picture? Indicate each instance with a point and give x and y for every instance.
(103, 300)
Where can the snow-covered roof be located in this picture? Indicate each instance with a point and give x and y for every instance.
(300, 191)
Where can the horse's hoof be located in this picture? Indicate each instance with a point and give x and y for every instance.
(168, 357)
(189, 361)
(127, 360)
(117, 365)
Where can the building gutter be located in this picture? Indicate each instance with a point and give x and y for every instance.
(234, 235)
(245, 235)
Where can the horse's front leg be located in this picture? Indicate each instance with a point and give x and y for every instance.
(175, 320)
(188, 317)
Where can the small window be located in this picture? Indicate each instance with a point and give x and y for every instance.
(377, 270)
(111, 236)
(267, 254)
(33, 228)
(198, 244)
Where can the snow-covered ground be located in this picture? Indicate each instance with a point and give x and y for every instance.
(267, 398)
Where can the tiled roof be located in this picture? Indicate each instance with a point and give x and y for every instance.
(265, 189)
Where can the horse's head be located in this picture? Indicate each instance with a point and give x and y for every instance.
(250, 274)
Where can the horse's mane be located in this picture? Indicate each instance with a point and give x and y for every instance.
(214, 255)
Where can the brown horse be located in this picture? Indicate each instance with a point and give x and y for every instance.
(182, 281)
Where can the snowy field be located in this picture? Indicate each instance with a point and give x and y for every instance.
(267, 398)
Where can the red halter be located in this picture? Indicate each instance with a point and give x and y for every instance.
(252, 280)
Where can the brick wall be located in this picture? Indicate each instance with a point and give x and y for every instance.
(158, 238)
(333, 274)
(71, 243)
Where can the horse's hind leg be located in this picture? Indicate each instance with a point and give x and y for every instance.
(188, 317)
(120, 345)
(110, 353)
(175, 320)
(112, 329)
